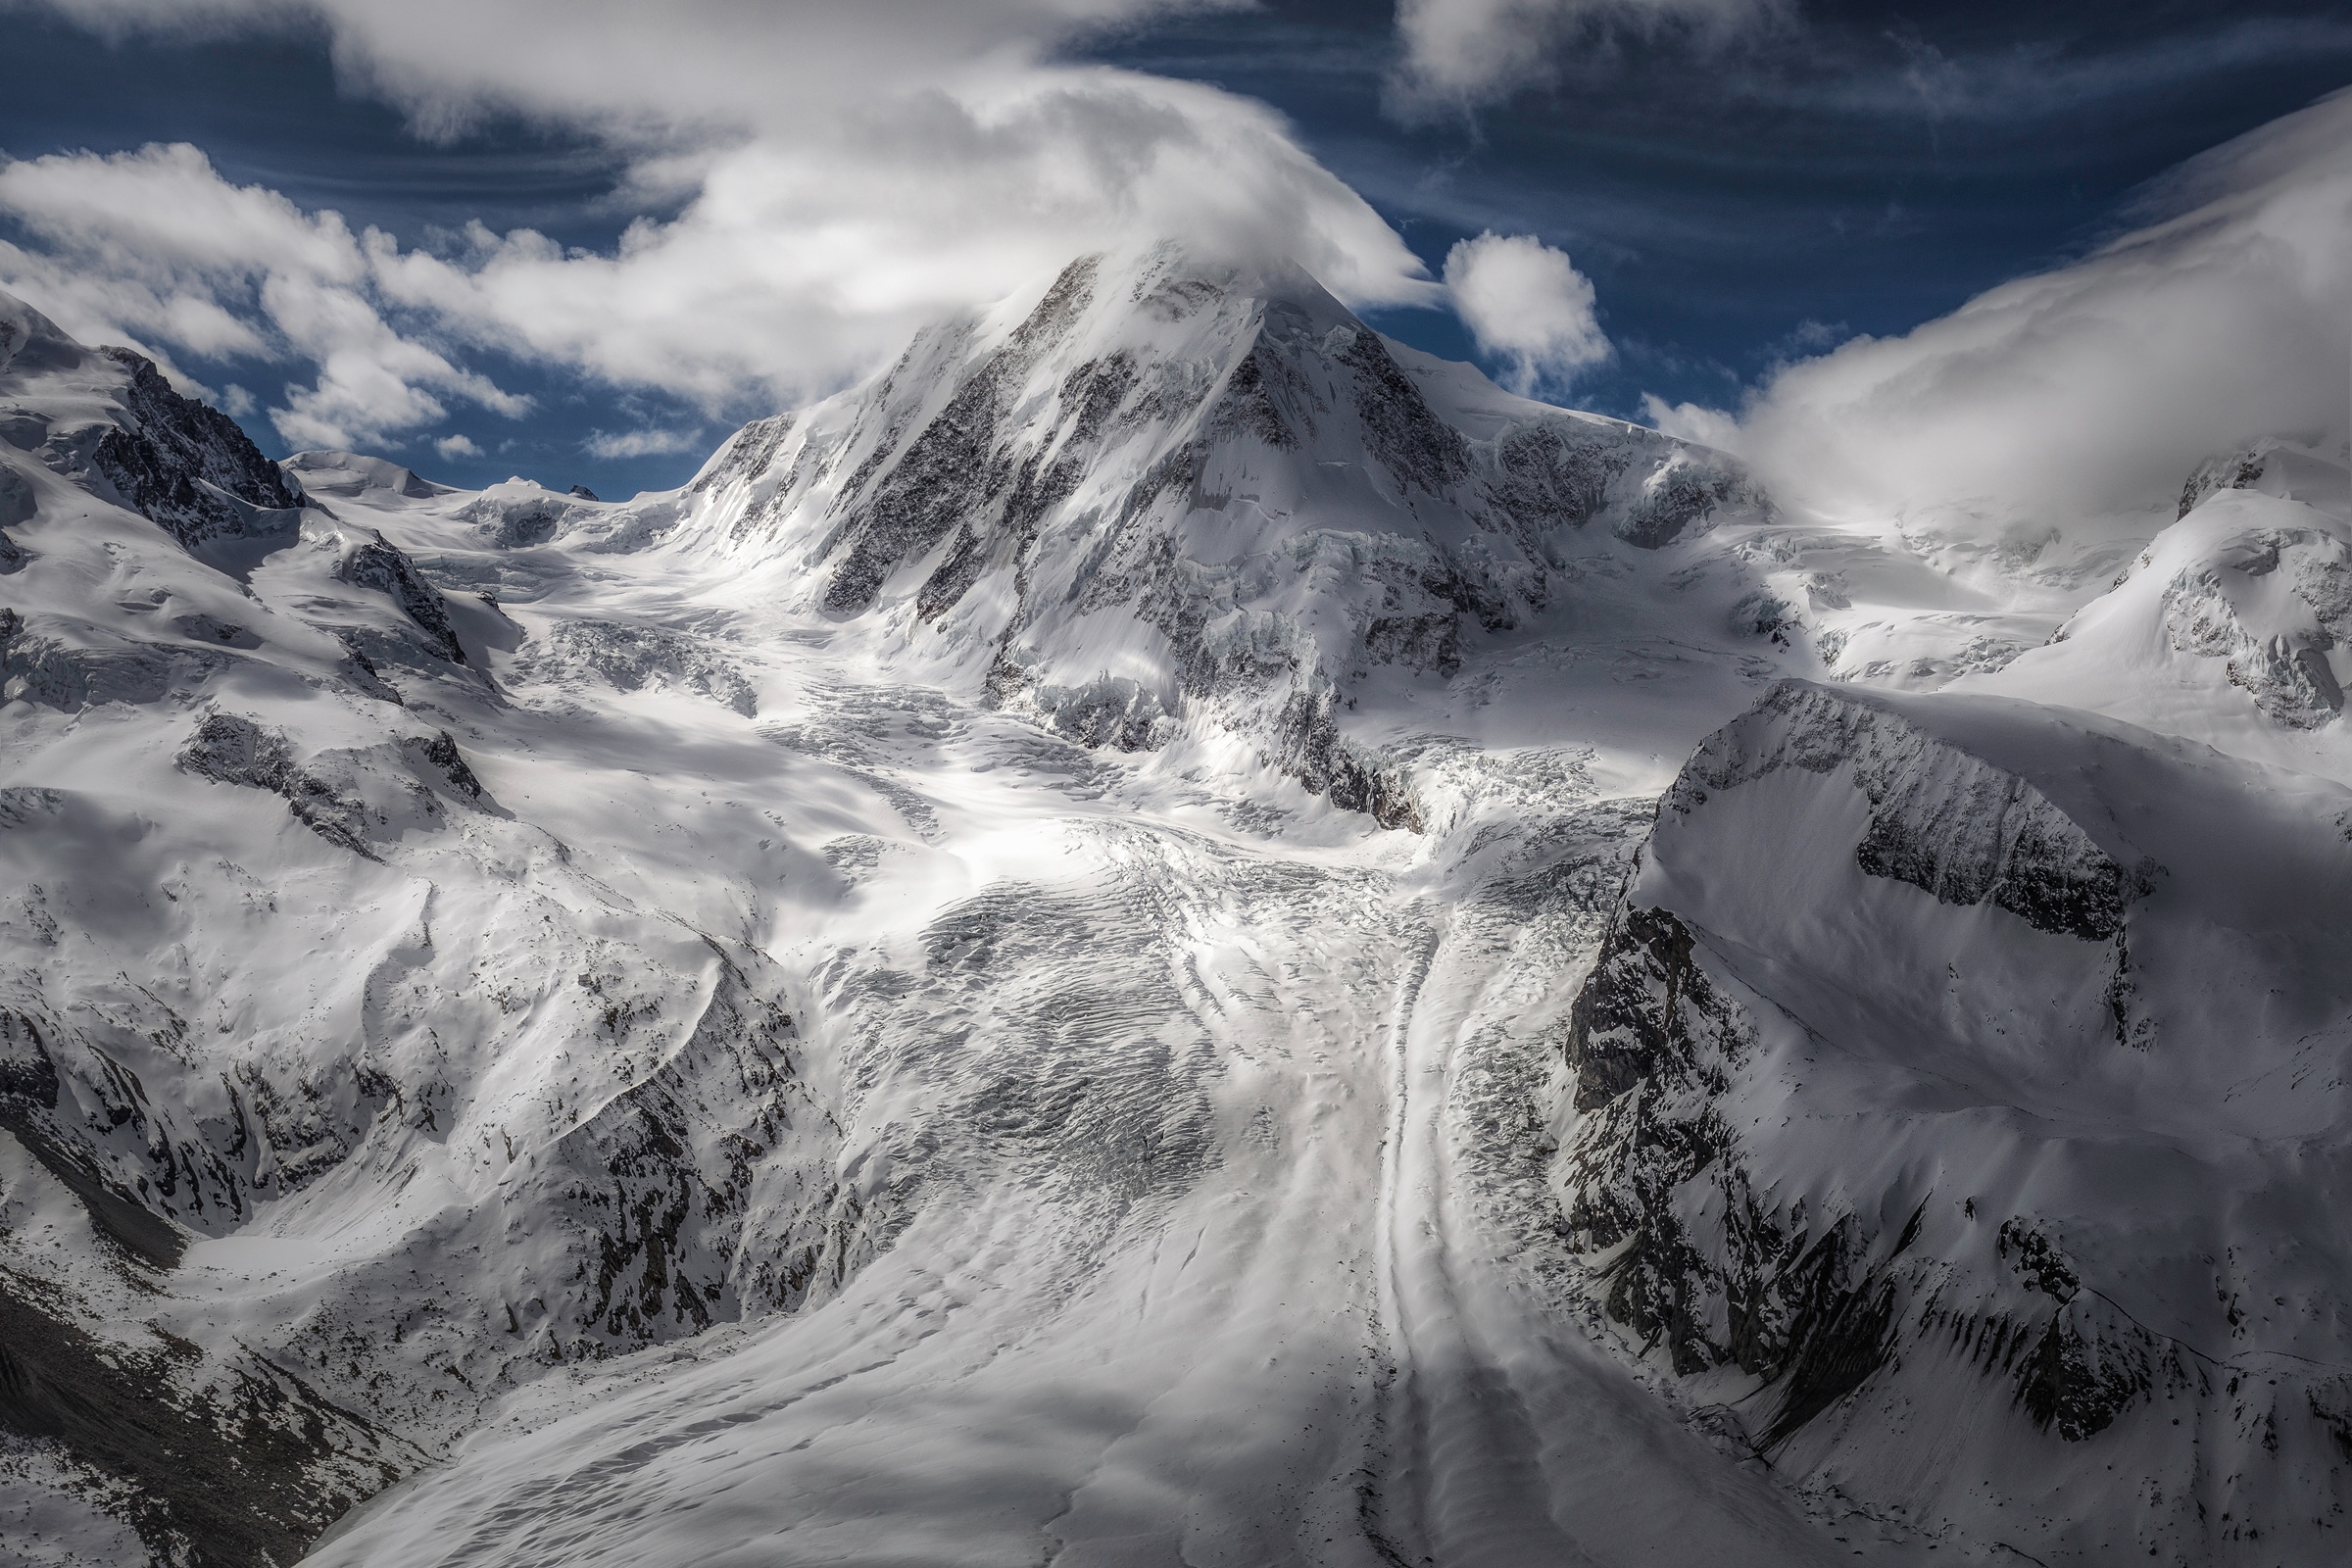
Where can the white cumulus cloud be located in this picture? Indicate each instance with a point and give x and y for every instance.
(833, 178)
(155, 247)
(1694, 421)
(1528, 305)
(453, 447)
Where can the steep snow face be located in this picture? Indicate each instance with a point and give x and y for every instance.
(1157, 492)
(1961, 1101)
(106, 420)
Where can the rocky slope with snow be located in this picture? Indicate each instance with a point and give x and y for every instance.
(1104, 949)
(1158, 493)
(1959, 1096)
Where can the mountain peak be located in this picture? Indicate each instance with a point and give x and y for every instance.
(30, 341)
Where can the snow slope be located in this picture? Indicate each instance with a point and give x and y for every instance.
(2232, 627)
(1012, 973)
(1961, 1099)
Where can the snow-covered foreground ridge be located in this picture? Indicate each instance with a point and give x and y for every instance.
(1101, 949)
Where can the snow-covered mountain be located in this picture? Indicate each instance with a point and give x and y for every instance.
(1102, 949)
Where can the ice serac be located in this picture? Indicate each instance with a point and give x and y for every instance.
(1960, 1083)
(1165, 492)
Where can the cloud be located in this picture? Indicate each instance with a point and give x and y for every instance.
(453, 447)
(153, 246)
(2089, 391)
(1527, 305)
(1692, 421)
(1459, 54)
(641, 443)
(832, 177)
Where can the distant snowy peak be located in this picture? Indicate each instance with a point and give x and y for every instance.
(105, 420)
(2233, 625)
(107, 475)
(1154, 484)
(349, 476)
(1120, 376)
(30, 340)
(2272, 467)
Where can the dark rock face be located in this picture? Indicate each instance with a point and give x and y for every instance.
(1653, 1042)
(1557, 474)
(2286, 673)
(1409, 440)
(954, 470)
(29, 1090)
(16, 501)
(442, 752)
(748, 456)
(1038, 487)
(1940, 819)
(245, 1467)
(1682, 496)
(523, 529)
(2237, 471)
(1635, 1019)
(583, 493)
(661, 1183)
(1715, 1265)
(1815, 1308)
(2009, 856)
(1251, 405)
(1309, 747)
(237, 751)
(383, 567)
(180, 463)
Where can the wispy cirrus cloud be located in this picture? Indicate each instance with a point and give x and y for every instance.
(1461, 54)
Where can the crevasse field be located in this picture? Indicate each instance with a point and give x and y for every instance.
(1171, 934)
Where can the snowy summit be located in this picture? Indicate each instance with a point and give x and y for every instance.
(1168, 929)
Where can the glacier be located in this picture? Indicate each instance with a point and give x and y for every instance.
(1170, 933)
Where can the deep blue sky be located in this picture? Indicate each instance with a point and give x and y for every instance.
(1861, 172)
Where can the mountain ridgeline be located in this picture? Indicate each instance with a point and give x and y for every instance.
(1034, 493)
(1169, 932)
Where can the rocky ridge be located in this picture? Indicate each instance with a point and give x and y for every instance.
(1799, 1161)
